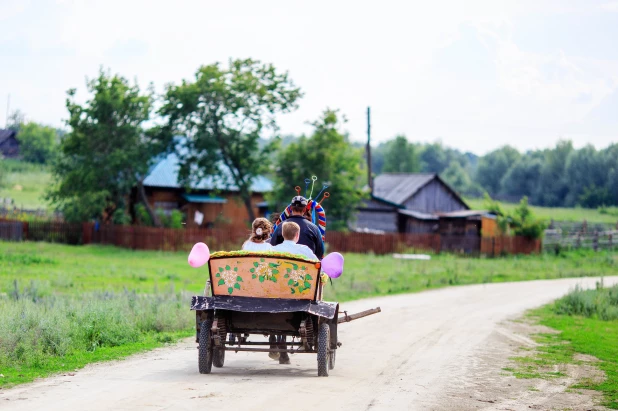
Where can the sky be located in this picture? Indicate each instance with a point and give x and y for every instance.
(475, 75)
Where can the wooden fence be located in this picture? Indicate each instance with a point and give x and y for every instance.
(598, 240)
(149, 238)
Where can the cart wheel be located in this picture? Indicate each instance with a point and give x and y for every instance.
(218, 357)
(323, 346)
(331, 362)
(205, 356)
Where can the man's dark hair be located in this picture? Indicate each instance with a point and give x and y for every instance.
(298, 209)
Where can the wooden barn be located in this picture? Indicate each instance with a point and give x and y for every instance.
(404, 202)
(209, 203)
(9, 145)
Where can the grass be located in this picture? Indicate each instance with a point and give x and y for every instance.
(586, 323)
(25, 183)
(56, 268)
(577, 214)
(140, 299)
(42, 335)
(368, 275)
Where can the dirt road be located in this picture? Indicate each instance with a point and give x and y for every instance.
(440, 350)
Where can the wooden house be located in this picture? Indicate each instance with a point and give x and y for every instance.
(407, 202)
(9, 145)
(213, 200)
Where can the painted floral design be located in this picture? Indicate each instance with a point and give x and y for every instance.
(298, 279)
(230, 278)
(264, 271)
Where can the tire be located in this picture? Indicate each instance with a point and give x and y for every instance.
(218, 357)
(205, 355)
(331, 362)
(323, 347)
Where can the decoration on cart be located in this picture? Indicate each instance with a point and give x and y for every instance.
(264, 277)
(199, 255)
(314, 212)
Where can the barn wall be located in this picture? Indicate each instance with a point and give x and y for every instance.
(434, 197)
(9, 148)
(489, 227)
(377, 220)
(416, 226)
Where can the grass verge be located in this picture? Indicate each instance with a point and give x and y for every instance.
(585, 324)
(43, 335)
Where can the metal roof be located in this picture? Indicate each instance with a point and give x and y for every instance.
(398, 187)
(165, 174)
(418, 215)
(202, 198)
(463, 214)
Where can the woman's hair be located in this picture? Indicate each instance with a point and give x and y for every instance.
(260, 230)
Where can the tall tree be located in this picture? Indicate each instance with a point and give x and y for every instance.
(328, 155)
(222, 114)
(37, 143)
(106, 152)
(521, 179)
(552, 185)
(494, 166)
(587, 176)
(401, 157)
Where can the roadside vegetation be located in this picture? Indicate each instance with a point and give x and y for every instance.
(586, 322)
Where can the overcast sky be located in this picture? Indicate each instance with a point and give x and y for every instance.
(474, 74)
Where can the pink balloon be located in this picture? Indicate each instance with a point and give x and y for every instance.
(200, 254)
(332, 265)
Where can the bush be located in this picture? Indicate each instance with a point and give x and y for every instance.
(35, 329)
(601, 303)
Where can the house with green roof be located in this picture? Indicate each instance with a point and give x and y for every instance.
(211, 202)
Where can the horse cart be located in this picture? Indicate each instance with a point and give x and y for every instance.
(266, 294)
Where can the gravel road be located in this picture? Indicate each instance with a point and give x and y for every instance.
(437, 350)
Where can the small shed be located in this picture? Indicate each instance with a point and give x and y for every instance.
(9, 145)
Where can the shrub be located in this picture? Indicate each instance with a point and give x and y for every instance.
(35, 329)
(601, 303)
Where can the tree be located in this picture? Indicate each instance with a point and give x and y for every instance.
(16, 120)
(106, 152)
(401, 157)
(493, 166)
(552, 185)
(222, 114)
(459, 179)
(521, 179)
(37, 143)
(434, 158)
(327, 154)
(587, 174)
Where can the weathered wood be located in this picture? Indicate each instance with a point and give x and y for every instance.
(347, 318)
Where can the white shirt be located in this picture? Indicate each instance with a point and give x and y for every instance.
(291, 247)
(251, 246)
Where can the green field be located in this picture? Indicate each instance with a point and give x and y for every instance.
(55, 268)
(65, 306)
(24, 183)
(576, 214)
(587, 321)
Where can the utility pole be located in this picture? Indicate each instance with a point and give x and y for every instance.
(369, 176)
(8, 106)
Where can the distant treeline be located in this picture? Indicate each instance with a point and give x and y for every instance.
(560, 176)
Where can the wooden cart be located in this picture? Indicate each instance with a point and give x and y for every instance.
(266, 294)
